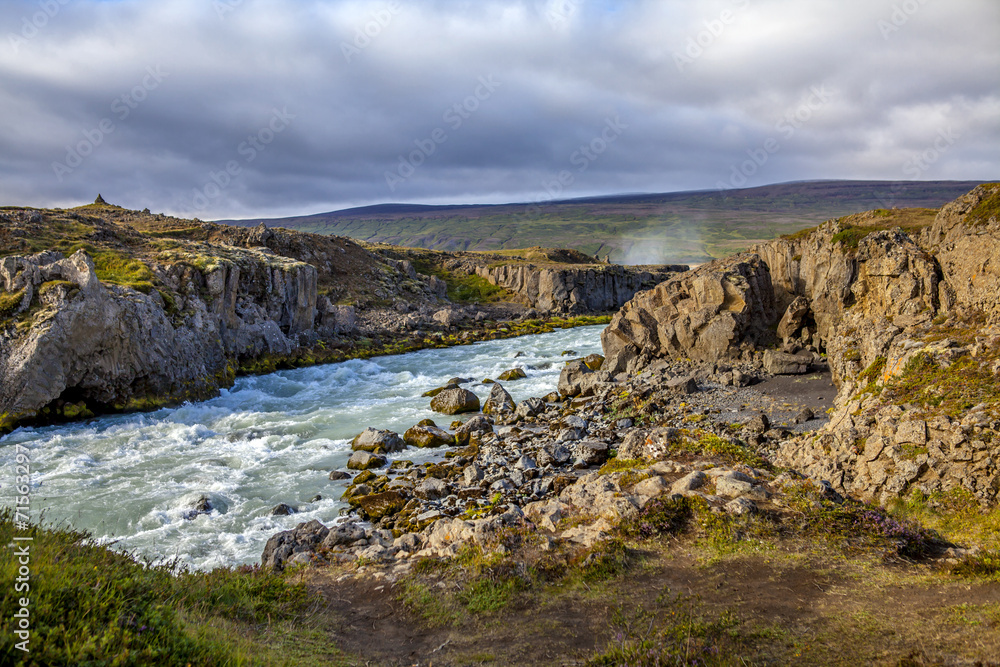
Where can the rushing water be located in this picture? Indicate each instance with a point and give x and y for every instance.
(270, 439)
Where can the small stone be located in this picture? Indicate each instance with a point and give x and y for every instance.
(740, 506)
(362, 460)
(336, 475)
(689, 483)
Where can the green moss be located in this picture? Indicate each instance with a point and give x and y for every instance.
(870, 376)
(50, 285)
(988, 208)
(9, 302)
(116, 268)
(850, 236)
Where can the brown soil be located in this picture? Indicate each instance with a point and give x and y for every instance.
(795, 608)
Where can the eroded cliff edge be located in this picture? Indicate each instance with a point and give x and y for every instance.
(905, 310)
(104, 309)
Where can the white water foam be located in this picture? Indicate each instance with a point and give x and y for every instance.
(132, 479)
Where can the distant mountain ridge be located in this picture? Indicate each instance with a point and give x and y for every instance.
(673, 227)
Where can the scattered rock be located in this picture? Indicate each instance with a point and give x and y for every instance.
(499, 401)
(282, 510)
(455, 401)
(378, 441)
(362, 460)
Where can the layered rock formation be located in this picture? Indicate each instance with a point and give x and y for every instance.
(708, 314)
(113, 347)
(574, 290)
(890, 311)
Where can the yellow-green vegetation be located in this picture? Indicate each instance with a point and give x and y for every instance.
(988, 209)
(872, 375)
(709, 444)
(950, 390)
(855, 227)
(9, 302)
(630, 406)
(677, 630)
(959, 518)
(90, 605)
(114, 267)
(617, 464)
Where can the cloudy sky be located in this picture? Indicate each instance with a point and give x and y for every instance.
(245, 108)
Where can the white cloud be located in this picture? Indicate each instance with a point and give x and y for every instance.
(356, 110)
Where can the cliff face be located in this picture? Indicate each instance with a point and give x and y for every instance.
(112, 347)
(910, 324)
(124, 310)
(574, 290)
(707, 314)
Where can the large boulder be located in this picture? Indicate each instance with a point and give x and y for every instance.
(455, 401)
(282, 547)
(795, 317)
(707, 314)
(378, 441)
(472, 430)
(427, 436)
(782, 363)
(499, 402)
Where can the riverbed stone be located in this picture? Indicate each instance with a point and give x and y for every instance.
(455, 401)
(427, 436)
(362, 460)
(499, 402)
(378, 441)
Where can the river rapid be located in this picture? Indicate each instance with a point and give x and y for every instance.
(131, 479)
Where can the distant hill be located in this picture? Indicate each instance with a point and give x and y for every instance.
(677, 227)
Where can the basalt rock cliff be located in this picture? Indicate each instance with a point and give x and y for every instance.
(903, 309)
(104, 309)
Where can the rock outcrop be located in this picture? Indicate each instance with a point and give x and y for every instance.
(585, 289)
(117, 347)
(714, 312)
(890, 310)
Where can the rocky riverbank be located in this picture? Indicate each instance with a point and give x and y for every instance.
(669, 414)
(107, 310)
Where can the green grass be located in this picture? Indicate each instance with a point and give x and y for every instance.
(851, 236)
(678, 630)
(988, 208)
(677, 228)
(9, 301)
(950, 390)
(730, 452)
(955, 514)
(114, 267)
(90, 605)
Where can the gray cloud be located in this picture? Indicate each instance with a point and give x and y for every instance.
(173, 105)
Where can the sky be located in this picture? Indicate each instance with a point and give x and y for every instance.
(265, 108)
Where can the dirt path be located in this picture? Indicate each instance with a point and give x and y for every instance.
(792, 608)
